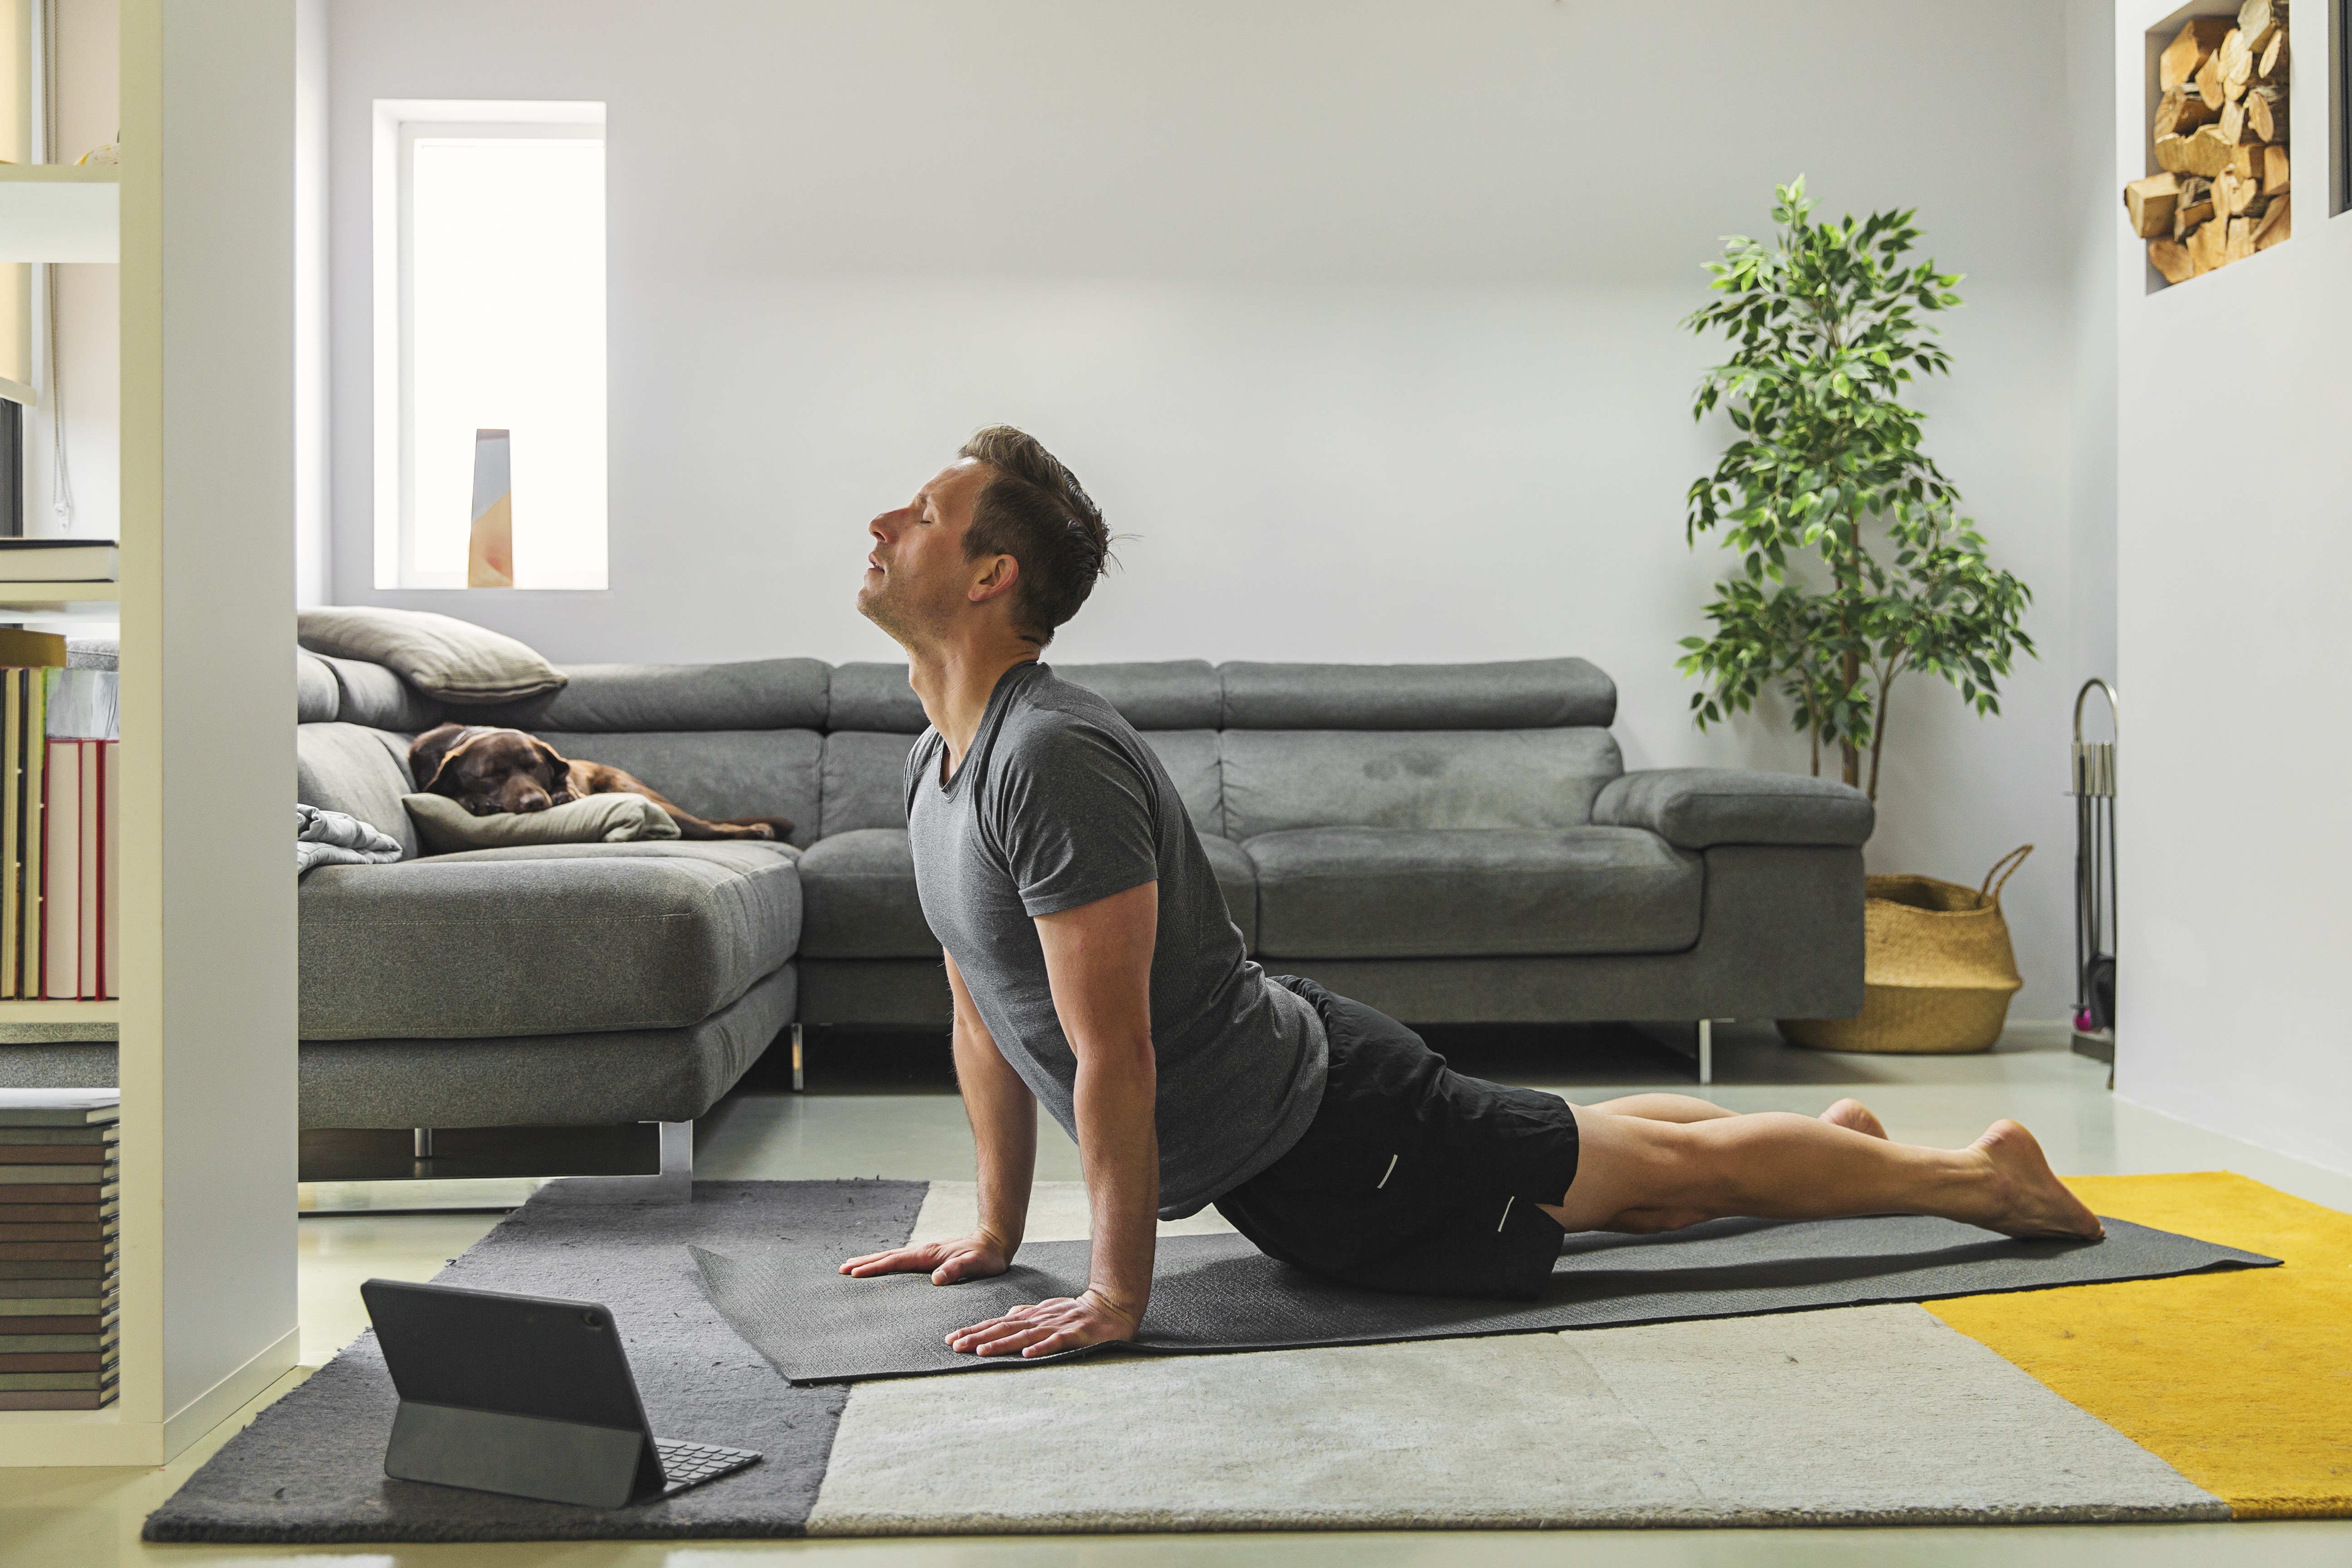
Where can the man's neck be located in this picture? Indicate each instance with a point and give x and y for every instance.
(954, 684)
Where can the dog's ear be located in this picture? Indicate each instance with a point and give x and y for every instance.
(559, 772)
(430, 755)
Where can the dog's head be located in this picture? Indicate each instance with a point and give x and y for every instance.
(490, 771)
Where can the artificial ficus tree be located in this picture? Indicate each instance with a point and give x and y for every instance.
(1854, 567)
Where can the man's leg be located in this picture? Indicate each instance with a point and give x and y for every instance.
(1683, 1108)
(1640, 1174)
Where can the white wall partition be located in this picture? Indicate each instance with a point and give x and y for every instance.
(2230, 574)
(1342, 307)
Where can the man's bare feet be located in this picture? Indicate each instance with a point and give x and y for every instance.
(1855, 1115)
(2033, 1201)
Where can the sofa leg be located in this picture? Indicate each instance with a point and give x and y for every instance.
(799, 1083)
(673, 1184)
(424, 1142)
(1706, 1050)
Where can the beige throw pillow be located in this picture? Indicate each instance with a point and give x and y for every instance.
(452, 660)
(443, 825)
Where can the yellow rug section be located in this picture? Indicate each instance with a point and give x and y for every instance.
(2241, 1380)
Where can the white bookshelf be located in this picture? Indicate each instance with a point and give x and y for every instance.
(204, 231)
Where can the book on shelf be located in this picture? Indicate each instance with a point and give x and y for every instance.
(25, 660)
(18, 1136)
(74, 1108)
(48, 1174)
(76, 876)
(14, 1307)
(13, 1271)
(58, 560)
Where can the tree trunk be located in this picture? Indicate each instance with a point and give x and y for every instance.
(1878, 731)
(1852, 575)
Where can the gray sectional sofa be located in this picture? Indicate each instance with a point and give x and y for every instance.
(1451, 844)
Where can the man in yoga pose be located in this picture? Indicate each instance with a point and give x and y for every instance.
(1094, 968)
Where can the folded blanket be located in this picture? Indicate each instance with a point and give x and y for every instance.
(337, 838)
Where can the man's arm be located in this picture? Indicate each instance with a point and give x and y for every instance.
(1099, 960)
(1004, 1116)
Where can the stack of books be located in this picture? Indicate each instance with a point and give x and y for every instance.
(60, 561)
(59, 1252)
(59, 822)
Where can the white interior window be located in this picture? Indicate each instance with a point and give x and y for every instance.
(489, 298)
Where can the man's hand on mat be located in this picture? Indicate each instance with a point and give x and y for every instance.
(1064, 1323)
(974, 1256)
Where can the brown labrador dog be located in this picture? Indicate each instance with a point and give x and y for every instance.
(488, 771)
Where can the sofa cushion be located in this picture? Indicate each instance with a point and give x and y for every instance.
(1237, 879)
(716, 772)
(1277, 780)
(448, 659)
(859, 899)
(750, 694)
(865, 780)
(1523, 694)
(1361, 892)
(444, 826)
(557, 938)
(859, 892)
(361, 772)
(1190, 757)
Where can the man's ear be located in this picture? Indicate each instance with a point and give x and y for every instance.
(1002, 572)
(559, 772)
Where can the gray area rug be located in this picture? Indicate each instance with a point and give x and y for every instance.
(1218, 1293)
(311, 1467)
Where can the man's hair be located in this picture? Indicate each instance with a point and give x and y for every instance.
(1034, 509)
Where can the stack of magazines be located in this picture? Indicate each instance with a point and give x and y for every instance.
(60, 823)
(59, 1250)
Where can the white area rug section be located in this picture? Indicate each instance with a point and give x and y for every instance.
(1874, 1415)
(1057, 1211)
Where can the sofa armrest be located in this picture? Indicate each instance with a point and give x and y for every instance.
(1699, 808)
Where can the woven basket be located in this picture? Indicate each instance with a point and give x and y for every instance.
(1939, 970)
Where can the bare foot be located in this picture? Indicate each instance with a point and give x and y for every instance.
(2033, 1201)
(1854, 1114)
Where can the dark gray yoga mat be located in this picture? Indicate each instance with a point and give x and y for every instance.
(1218, 1293)
(310, 1469)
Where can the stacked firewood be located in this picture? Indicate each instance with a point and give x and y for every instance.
(2222, 192)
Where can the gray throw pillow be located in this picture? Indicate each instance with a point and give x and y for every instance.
(444, 657)
(444, 826)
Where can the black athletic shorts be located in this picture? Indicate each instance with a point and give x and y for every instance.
(1412, 1177)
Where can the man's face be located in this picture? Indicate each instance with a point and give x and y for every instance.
(916, 579)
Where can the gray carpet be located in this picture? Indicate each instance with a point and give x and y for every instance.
(1218, 1293)
(311, 1467)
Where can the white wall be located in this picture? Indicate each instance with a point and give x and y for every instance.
(2230, 595)
(1361, 315)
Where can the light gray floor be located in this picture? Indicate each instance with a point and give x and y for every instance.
(90, 1518)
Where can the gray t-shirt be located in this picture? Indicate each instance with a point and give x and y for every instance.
(1059, 803)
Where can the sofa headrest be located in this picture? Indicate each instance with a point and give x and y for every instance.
(1523, 694)
(372, 695)
(755, 694)
(876, 697)
(1172, 694)
(317, 698)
